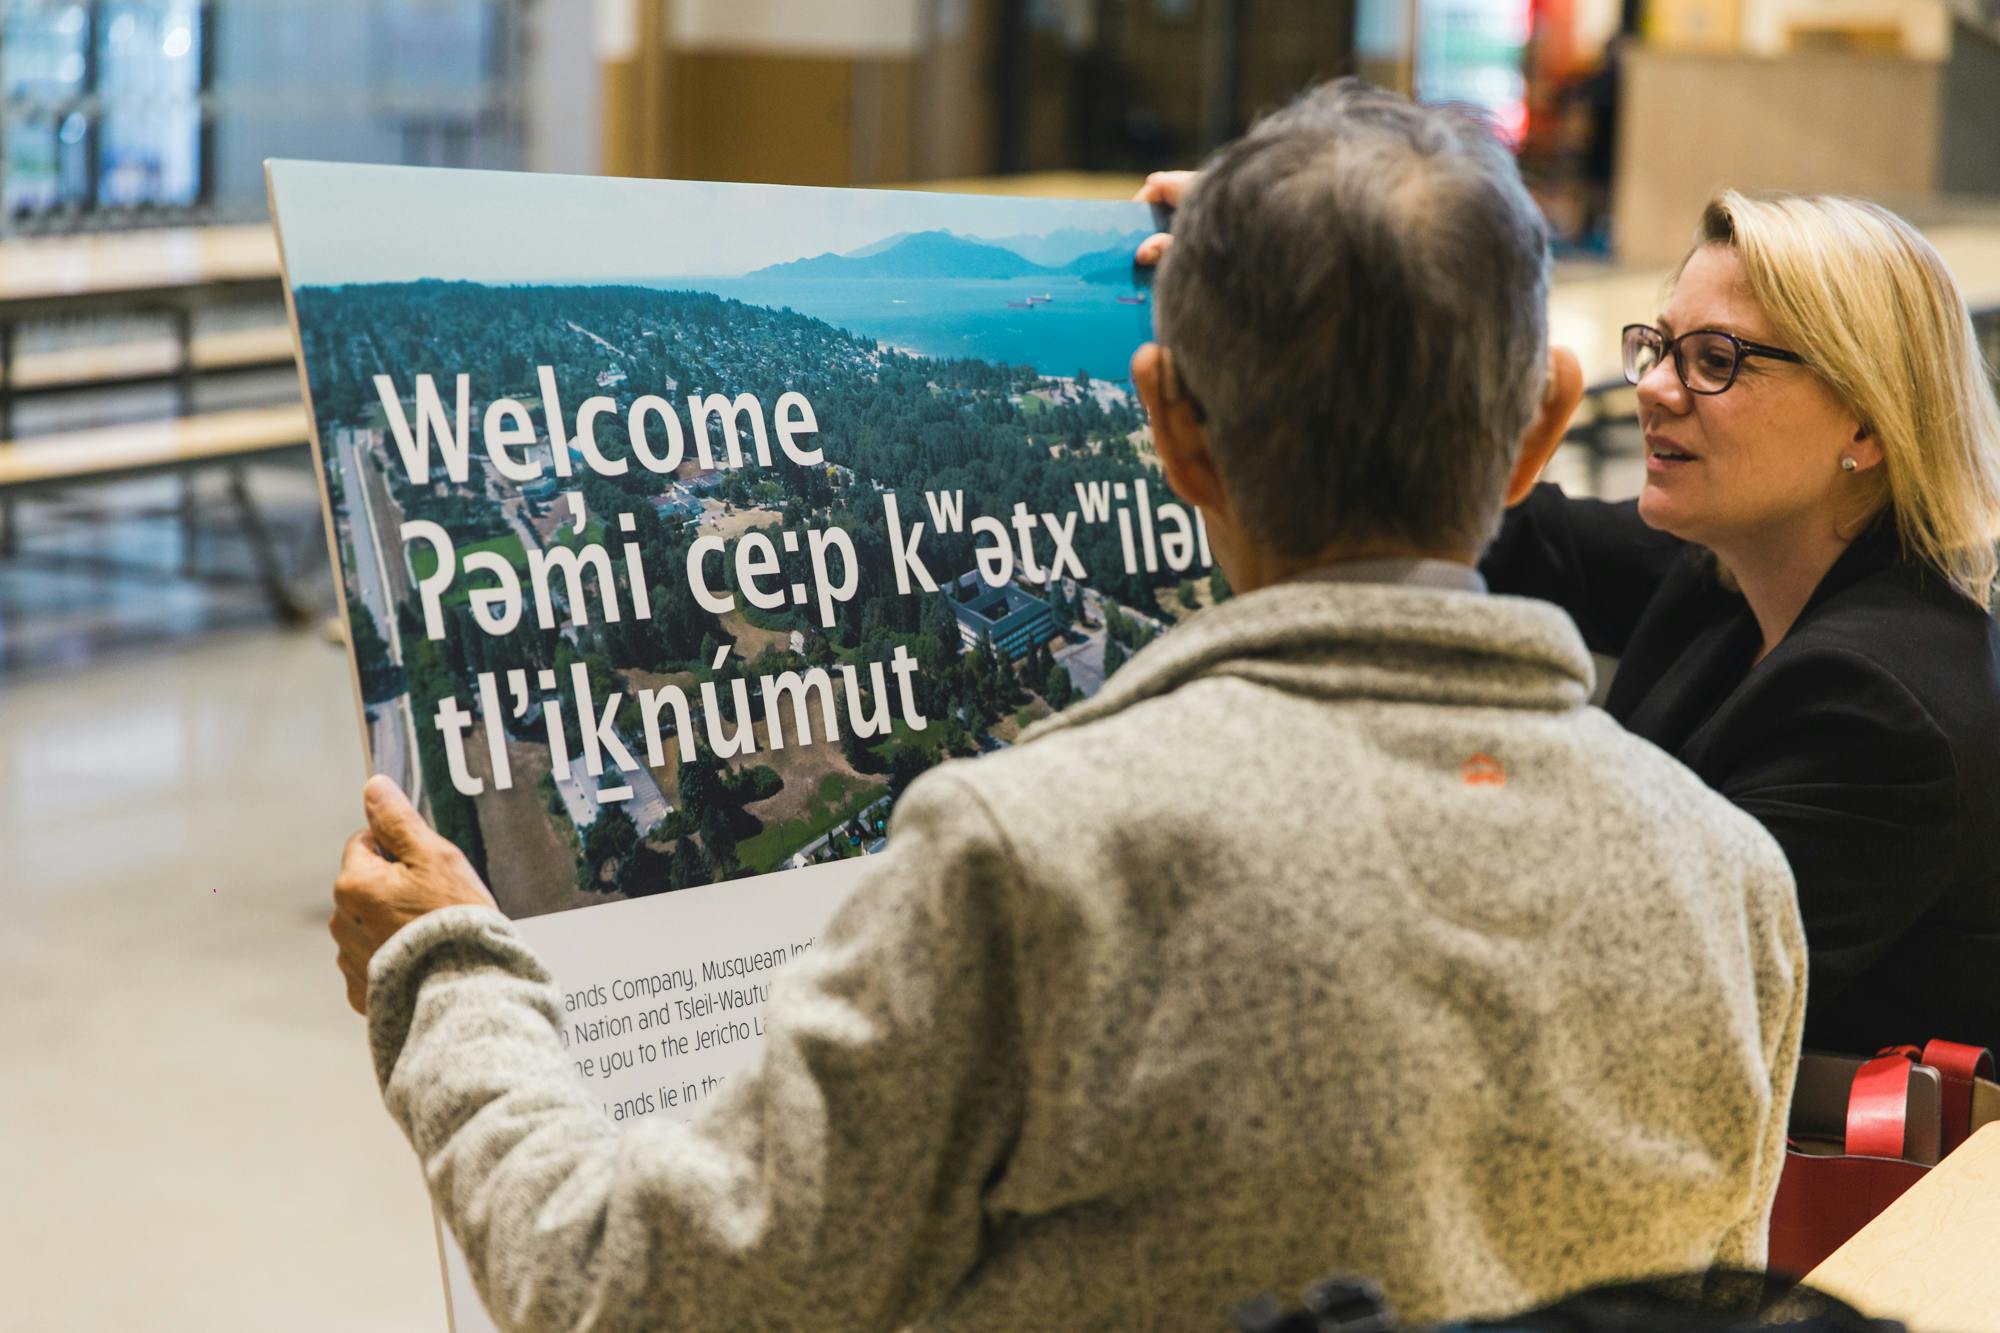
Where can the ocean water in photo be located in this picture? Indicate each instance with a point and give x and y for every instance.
(1081, 326)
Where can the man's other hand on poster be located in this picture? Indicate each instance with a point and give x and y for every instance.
(1165, 189)
(394, 871)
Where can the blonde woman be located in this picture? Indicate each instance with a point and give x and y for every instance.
(1800, 597)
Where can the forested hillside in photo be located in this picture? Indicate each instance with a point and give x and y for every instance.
(887, 421)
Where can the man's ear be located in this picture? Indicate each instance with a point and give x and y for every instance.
(1179, 439)
(1560, 395)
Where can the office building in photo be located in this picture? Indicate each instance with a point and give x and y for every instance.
(1016, 619)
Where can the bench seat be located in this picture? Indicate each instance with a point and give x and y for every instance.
(104, 452)
(150, 359)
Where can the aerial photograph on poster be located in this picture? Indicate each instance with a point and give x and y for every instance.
(680, 526)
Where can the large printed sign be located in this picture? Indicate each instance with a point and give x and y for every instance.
(680, 526)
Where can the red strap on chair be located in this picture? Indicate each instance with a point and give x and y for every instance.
(1823, 1201)
(1877, 1103)
(1958, 1066)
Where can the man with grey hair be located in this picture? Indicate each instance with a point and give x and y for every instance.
(1375, 395)
(1337, 933)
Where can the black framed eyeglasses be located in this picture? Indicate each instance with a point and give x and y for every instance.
(1705, 359)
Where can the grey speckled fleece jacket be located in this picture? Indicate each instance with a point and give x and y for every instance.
(1243, 972)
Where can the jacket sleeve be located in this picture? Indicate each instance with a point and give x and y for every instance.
(1596, 560)
(1849, 772)
(1779, 958)
(838, 1185)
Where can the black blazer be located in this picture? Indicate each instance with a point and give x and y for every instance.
(1867, 742)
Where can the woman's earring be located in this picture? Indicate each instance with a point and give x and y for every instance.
(1848, 464)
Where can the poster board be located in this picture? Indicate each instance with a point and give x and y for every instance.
(679, 526)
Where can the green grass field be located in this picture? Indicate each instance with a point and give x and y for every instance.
(838, 799)
(423, 560)
(901, 735)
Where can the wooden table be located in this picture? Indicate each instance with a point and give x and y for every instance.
(106, 453)
(1932, 1258)
(1040, 184)
(172, 270)
(67, 275)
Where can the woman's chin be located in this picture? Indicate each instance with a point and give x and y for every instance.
(1655, 506)
(1663, 512)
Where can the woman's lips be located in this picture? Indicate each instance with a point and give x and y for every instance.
(1664, 455)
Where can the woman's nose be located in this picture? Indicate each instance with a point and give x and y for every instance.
(1661, 388)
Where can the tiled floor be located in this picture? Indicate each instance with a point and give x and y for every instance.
(189, 1133)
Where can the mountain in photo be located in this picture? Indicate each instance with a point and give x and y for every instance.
(1062, 248)
(1111, 265)
(924, 254)
(879, 246)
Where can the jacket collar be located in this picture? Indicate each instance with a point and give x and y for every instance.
(1879, 546)
(1363, 641)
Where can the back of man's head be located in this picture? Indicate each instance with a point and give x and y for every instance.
(1356, 294)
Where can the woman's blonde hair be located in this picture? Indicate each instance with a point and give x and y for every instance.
(1869, 304)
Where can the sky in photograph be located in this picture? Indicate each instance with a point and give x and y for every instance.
(344, 223)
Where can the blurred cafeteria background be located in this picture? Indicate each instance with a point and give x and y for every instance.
(189, 1135)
